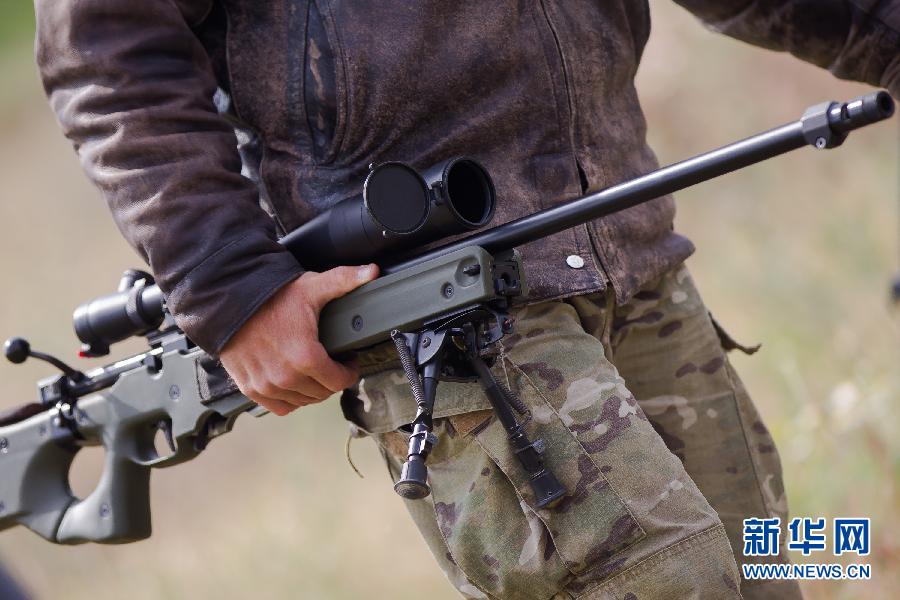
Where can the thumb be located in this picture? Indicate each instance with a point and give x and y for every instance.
(334, 283)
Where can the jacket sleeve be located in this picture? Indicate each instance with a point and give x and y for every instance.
(854, 39)
(133, 89)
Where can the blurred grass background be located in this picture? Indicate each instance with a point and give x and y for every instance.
(795, 253)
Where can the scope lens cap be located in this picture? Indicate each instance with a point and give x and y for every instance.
(397, 197)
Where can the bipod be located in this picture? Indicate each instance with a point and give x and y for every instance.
(458, 348)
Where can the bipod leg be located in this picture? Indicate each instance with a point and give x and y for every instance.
(546, 487)
(423, 380)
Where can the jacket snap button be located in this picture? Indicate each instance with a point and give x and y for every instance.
(575, 261)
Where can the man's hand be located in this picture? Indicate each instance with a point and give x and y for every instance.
(276, 358)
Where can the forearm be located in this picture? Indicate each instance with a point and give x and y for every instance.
(132, 88)
(854, 39)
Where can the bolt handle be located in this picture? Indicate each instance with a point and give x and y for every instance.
(16, 350)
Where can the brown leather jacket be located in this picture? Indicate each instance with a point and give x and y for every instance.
(541, 91)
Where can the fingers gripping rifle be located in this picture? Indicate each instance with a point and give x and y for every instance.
(445, 310)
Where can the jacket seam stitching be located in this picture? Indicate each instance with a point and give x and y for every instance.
(339, 144)
(204, 16)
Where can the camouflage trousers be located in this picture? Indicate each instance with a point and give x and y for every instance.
(647, 426)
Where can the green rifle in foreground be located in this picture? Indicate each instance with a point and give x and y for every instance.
(444, 310)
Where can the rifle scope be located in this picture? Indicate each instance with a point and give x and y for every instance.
(399, 209)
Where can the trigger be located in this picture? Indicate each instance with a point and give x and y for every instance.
(166, 427)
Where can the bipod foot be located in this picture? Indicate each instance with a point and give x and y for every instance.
(423, 377)
(546, 487)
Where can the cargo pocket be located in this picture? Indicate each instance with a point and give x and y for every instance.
(489, 519)
(591, 523)
(489, 534)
